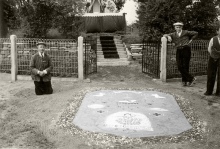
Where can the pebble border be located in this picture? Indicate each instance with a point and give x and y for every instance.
(108, 140)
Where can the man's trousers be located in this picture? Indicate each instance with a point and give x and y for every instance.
(183, 56)
(213, 69)
(43, 87)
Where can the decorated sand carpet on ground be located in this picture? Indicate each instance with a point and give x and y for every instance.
(131, 113)
(131, 116)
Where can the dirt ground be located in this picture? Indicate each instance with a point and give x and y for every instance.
(32, 122)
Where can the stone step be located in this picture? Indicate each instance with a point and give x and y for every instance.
(116, 42)
(111, 59)
(118, 49)
(120, 56)
(117, 45)
(118, 63)
(119, 52)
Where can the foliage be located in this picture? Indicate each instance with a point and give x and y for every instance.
(9, 13)
(39, 19)
(157, 17)
(132, 39)
(68, 20)
(110, 5)
(119, 4)
(114, 4)
(35, 18)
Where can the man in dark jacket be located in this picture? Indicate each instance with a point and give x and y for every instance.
(41, 66)
(182, 39)
(214, 64)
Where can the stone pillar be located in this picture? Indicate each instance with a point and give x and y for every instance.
(80, 58)
(163, 63)
(14, 59)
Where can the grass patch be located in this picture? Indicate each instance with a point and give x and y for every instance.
(23, 134)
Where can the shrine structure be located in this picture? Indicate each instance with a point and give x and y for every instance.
(103, 22)
(101, 18)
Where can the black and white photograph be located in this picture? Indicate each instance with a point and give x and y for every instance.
(109, 74)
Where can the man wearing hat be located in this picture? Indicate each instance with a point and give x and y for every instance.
(41, 66)
(182, 39)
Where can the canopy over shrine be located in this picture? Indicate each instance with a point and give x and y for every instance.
(101, 17)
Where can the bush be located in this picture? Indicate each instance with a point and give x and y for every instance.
(131, 39)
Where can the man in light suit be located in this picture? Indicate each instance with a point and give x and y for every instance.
(182, 39)
(41, 66)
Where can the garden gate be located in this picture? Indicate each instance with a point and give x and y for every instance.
(151, 58)
(90, 60)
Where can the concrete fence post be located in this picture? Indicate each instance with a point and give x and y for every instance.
(163, 63)
(80, 58)
(14, 58)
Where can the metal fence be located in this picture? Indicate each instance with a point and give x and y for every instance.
(90, 53)
(198, 62)
(5, 55)
(63, 53)
(151, 58)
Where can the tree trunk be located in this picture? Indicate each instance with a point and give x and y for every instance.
(3, 26)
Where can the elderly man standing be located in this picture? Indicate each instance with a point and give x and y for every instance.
(214, 64)
(182, 39)
(41, 66)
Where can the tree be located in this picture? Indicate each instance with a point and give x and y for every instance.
(67, 18)
(34, 18)
(119, 4)
(2, 22)
(37, 17)
(157, 17)
(7, 16)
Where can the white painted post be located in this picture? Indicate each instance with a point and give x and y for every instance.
(14, 59)
(80, 58)
(163, 63)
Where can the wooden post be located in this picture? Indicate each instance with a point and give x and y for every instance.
(14, 59)
(80, 58)
(163, 63)
(125, 25)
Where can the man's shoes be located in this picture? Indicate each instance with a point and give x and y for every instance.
(184, 83)
(191, 83)
(207, 93)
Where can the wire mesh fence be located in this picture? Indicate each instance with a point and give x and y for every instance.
(198, 62)
(90, 56)
(63, 53)
(5, 55)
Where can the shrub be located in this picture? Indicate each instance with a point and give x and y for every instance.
(131, 39)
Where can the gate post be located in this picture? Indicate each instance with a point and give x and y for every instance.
(163, 62)
(14, 58)
(80, 58)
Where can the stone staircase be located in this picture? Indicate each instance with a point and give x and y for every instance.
(111, 51)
